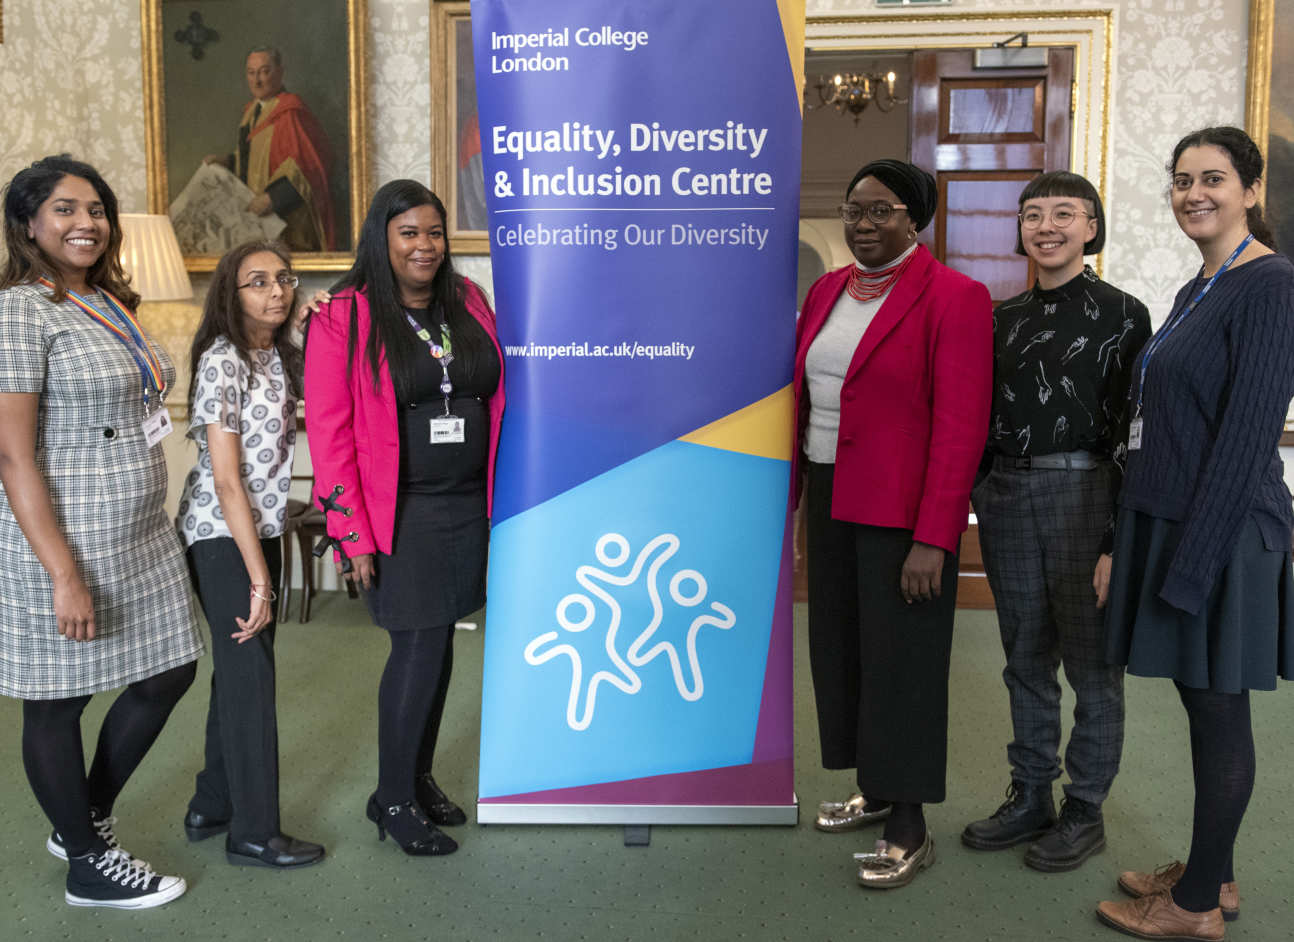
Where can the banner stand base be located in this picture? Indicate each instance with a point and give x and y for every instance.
(629, 815)
(637, 835)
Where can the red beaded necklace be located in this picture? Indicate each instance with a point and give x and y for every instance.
(870, 285)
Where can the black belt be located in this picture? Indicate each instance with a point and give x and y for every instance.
(1059, 461)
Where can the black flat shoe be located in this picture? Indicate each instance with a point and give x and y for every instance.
(280, 852)
(436, 803)
(199, 827)
(410, 828)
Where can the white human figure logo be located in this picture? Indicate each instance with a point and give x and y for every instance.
(687, 588)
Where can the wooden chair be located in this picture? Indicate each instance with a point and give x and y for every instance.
(305, 526)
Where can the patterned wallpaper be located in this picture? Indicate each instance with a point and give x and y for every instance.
(70, 80)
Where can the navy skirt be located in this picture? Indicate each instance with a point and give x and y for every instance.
(1243, 636)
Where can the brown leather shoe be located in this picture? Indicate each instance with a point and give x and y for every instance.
(1158, 917)
(1138, 884)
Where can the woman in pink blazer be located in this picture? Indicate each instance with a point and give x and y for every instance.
(893, 375)
(404, 395)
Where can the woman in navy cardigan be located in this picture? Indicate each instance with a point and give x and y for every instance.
(893, 368)
(1201, 589)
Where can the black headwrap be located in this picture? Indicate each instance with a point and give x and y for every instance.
(913, 186)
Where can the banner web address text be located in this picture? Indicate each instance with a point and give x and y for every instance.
(625, 350)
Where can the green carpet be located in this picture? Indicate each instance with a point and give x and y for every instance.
(581, 883)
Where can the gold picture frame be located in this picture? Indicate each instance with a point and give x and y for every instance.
(193, 100)
(1269, 118)
(1269, 108)
(455, 136)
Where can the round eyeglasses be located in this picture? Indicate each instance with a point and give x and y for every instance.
(1060, 218)
(879, 212)
(286, 282)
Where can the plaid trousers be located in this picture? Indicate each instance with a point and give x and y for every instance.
(1040, 532)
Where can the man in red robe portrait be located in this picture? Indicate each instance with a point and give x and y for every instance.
(283, 157)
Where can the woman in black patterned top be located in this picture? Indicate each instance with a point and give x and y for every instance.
(1062, 359)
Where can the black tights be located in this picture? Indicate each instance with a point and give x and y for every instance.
(1222, 757)
(54, 758)
(410, 703)
(906, 825)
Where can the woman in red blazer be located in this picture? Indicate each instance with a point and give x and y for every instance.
(893, 375)
(404, 395)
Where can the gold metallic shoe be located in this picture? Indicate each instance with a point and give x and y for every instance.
(847, 815)
(890, 865)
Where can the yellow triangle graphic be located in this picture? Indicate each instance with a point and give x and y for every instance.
(792, 14)
(764, 428)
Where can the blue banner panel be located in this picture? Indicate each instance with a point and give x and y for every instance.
(642, 174)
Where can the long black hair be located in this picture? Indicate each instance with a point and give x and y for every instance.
(26, 261)
(1245, 157)
(222, 313)
(389, 333)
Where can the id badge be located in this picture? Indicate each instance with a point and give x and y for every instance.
(1134, 434)
(156, 427)
(448, 430)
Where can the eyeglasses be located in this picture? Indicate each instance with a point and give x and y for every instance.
(1060, 218)
(879, 212)
(286, 282)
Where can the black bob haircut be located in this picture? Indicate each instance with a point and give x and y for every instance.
(1064, 183)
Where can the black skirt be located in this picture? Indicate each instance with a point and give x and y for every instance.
(435, 573)
(1243, 636)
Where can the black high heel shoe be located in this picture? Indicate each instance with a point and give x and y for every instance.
(436, 803)
(410, 828)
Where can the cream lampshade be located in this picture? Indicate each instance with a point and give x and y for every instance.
(151, 256)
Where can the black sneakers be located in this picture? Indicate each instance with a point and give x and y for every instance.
(103, 826)
(113, 879)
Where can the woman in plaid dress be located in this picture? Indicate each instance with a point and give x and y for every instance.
(97, 596)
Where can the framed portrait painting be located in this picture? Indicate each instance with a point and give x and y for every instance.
(255, 119)
(455, 134)
(1270, 116)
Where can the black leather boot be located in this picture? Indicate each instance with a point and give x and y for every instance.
(1078, 834)
(1027, 814)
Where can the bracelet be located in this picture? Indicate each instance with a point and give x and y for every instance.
(272, 597)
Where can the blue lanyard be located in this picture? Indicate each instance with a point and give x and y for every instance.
(1174, 319)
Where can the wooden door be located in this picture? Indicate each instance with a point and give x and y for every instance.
(984, 134)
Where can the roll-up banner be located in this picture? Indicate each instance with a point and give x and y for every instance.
(642, 165)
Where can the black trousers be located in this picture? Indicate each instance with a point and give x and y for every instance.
(880, 665)
(240, 780)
